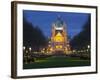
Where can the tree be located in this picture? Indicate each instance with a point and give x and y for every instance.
(83, 38)
(33, 36)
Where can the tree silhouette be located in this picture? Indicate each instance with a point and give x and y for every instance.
(83, 39)
(33, 36)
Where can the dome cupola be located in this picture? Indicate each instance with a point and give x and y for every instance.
(59, 22)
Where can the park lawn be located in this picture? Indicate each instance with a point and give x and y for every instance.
(52, 62)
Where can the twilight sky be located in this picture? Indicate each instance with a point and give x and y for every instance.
(44, 20)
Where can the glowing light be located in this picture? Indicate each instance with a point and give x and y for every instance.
(47, 52)
(73, 50)
(43, 48)
(66, 49)
(59, 38)
(26, 51)
(49, 45)
(51, 49)
(49, 41)
(43, 51)
(24, 47)
(30, 48)
(59, 46)
(88, 46)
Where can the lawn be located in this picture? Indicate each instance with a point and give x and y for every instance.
(55, 61)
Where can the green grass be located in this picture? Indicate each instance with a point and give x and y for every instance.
(51, 62)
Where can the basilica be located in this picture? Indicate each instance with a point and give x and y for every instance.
(59, 41)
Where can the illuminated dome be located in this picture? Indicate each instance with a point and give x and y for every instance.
(59, 22)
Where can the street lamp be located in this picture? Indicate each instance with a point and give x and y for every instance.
(30, 48)
(88, 46)
(24, 47)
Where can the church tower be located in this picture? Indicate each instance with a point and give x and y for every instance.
(59, 38)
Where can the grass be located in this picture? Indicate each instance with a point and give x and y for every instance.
(52, 62)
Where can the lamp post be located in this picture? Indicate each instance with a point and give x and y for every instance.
(25, 54)
(24, 48)
(31, 58)
(88, 48)
(30, 49)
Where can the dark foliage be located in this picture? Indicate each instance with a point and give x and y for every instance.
(83, 39)
(33, 36)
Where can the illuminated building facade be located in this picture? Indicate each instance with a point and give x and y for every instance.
(59, 38)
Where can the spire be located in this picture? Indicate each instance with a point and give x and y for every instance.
(59, 22)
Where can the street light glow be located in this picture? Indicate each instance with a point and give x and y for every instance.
(88, 46)
(24, 47)
(30, 48)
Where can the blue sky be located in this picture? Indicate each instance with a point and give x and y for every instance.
(44, 20)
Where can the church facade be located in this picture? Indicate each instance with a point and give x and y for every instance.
(59, 41)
